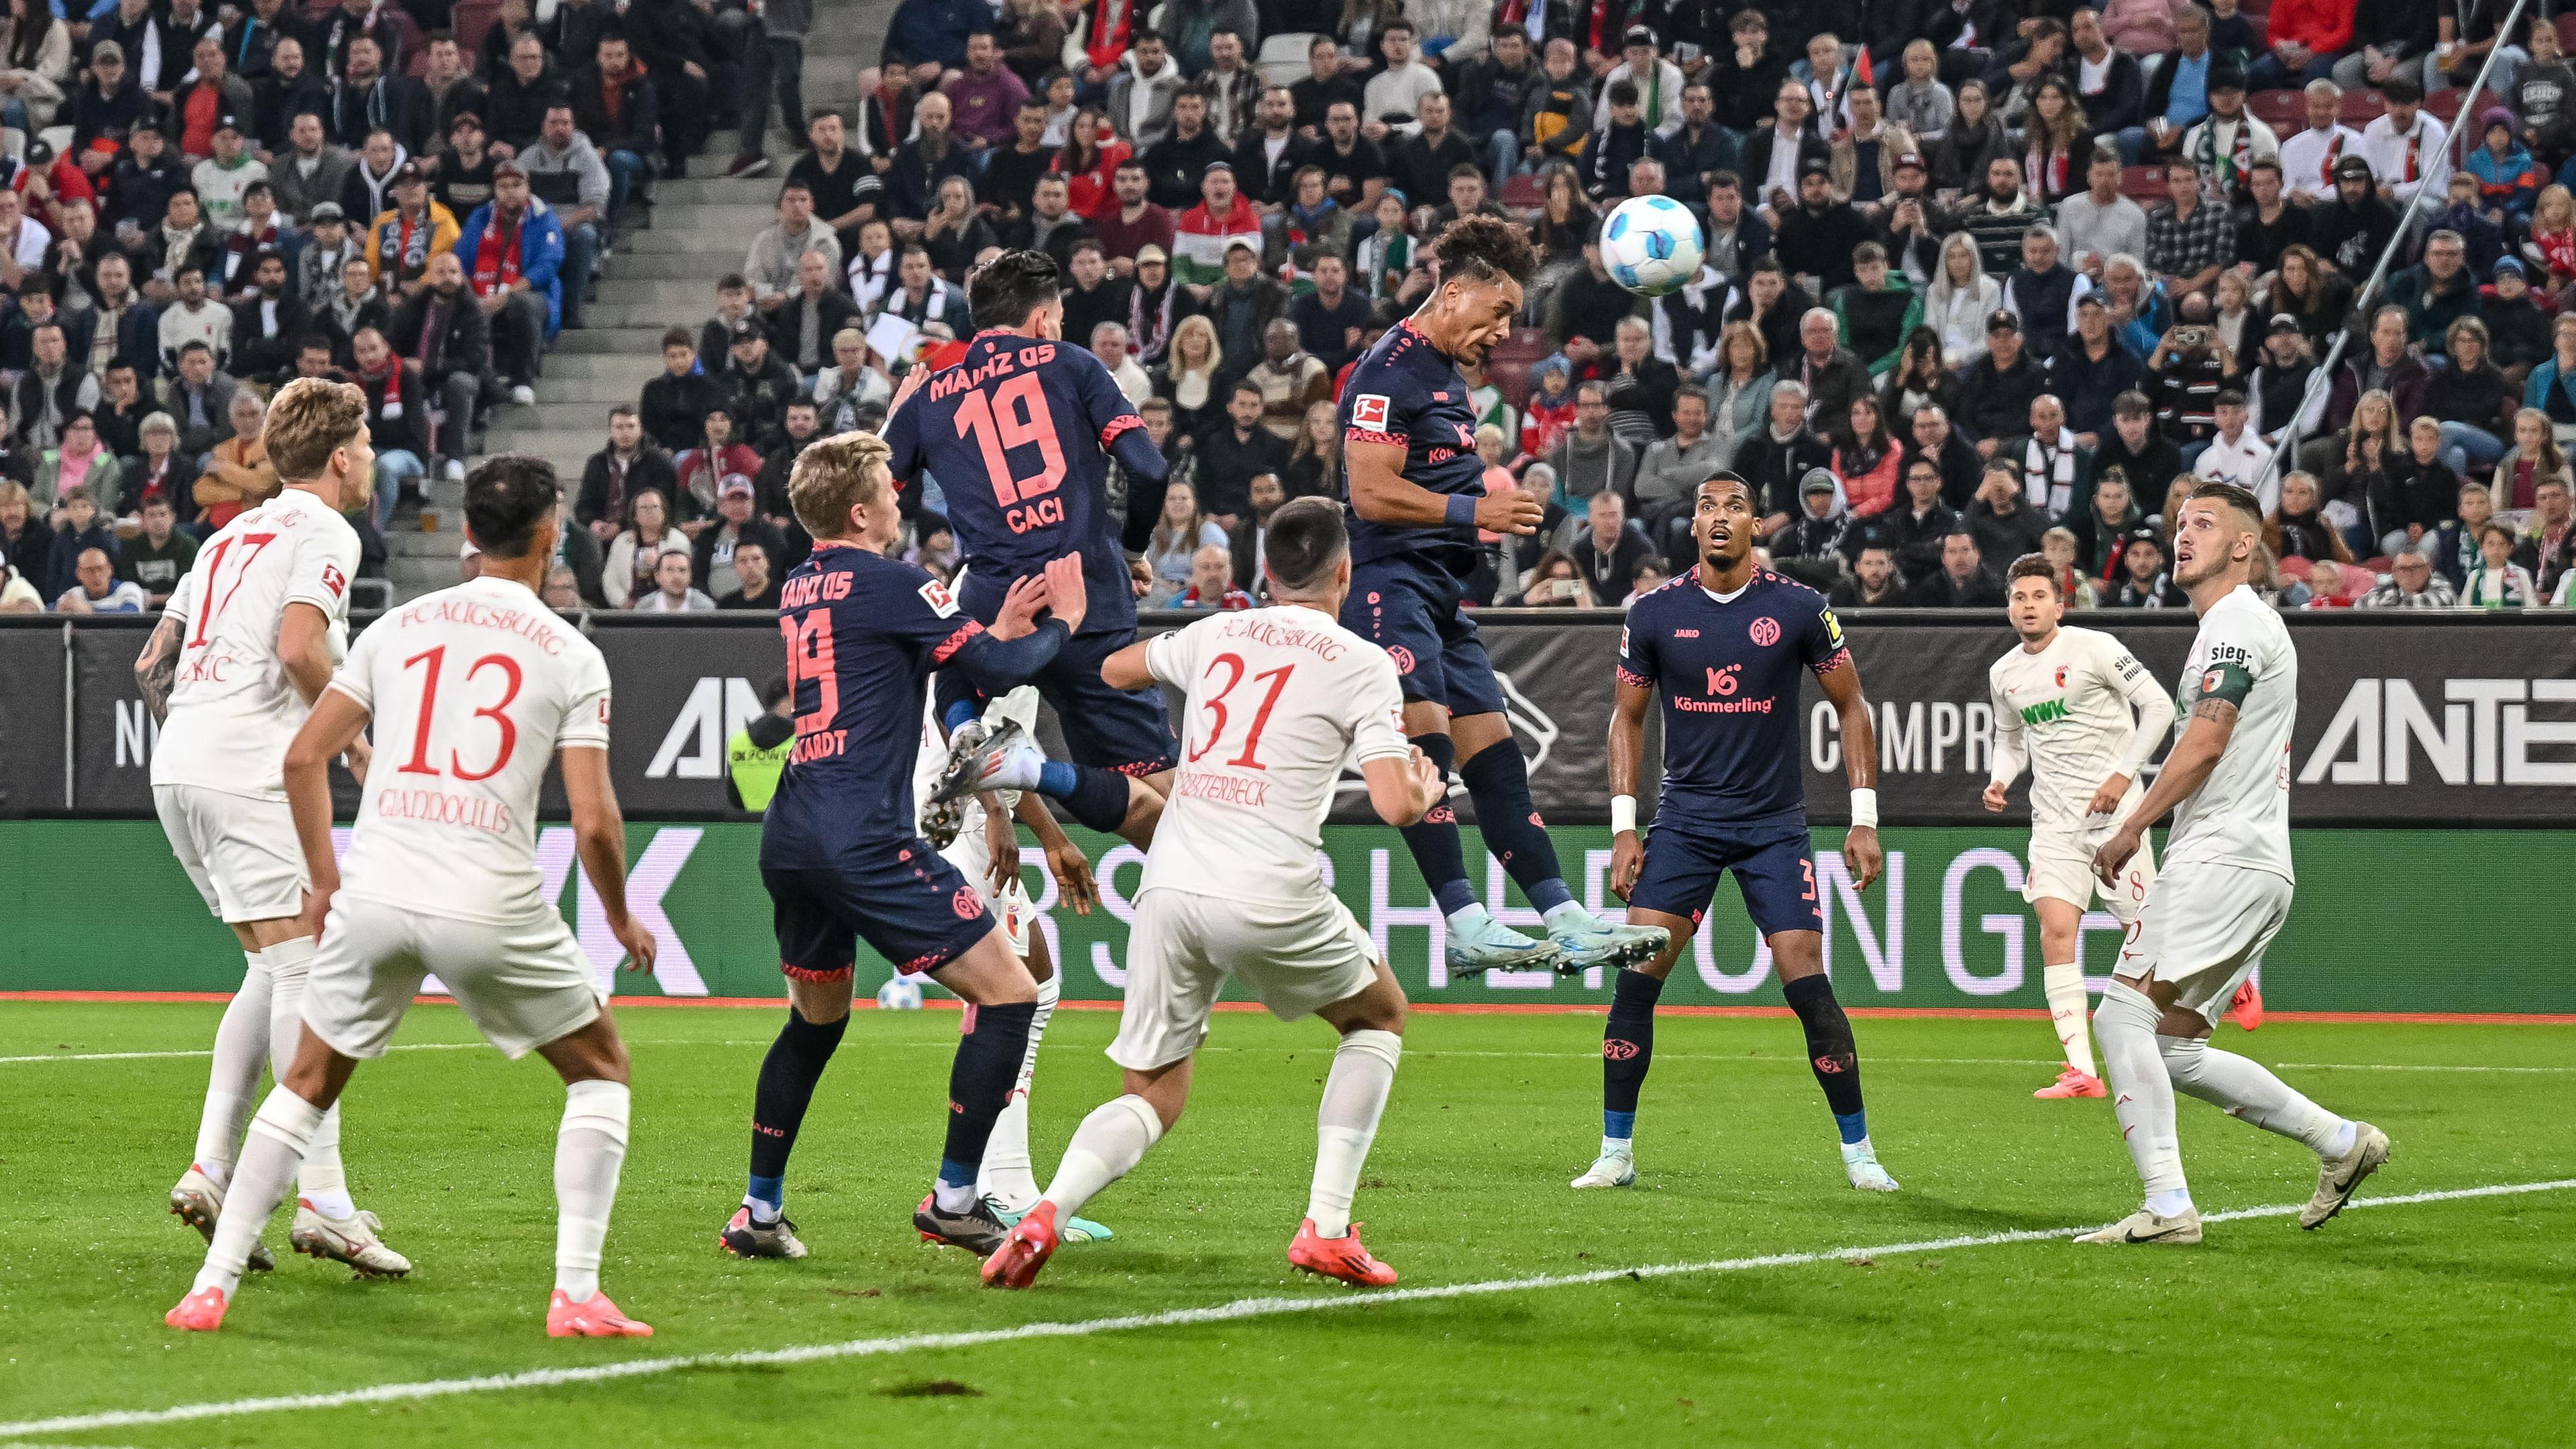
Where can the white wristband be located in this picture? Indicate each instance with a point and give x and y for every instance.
(1623, 814)
(1864, 808)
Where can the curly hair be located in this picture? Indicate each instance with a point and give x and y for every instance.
(833, 476)
(1483, 248)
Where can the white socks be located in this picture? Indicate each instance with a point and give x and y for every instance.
(1005, 1175)
(2244, 1088)
(279, 1134)
(241, 1045)
(2141, 1094)
(323, 1182)
(1354, 1097)
(2065, 986)
(1110, 1142)
(589, 1149)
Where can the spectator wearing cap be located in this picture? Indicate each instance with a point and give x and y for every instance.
(201, 103)
(2517, 329)
(723, 448)
(309, 172)
(2279, 385)
(2405, 144)
(2093, 370)
(735, 525)
(149, 52)
(514, 254)
(759, 384)
(144, 176)
(1996, 394)
(410, 232)
(462, 178)
(224, 175)
(1204, 235)
(328, 246)
(2142, 582)
(2228, 140)
(1819, 232)
(104, 109)
(365, 97)
(269, 324)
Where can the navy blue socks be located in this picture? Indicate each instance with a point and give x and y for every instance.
(1497, 778)
(1627, 1050)
(1434, 839)
(979, 1085)
(1830, 1051)
(787, 1077)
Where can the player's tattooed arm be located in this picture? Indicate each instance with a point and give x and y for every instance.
(1861, 850)
(2213, 720)
(156, 669)
(1627, 751)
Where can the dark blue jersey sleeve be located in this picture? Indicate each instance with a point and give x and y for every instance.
(1820, 641)
(1638, 664)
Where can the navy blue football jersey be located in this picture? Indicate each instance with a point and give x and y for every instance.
(1018, 435)
(1408, 393)
(1729, 676)
(863, 634)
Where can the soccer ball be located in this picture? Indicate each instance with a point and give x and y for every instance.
(900, 993)
(1651, 245)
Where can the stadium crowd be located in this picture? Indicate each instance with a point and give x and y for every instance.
(1982, 279)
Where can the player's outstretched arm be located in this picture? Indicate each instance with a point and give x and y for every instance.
(1841, 679)
(2213, 721)
(336, 720)
(599, 837)
(1627, 755)
(156, 669)
(1380, 493)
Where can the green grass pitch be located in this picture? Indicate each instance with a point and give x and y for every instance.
(2428, 1323)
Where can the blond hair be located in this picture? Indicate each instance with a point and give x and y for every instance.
(835, 475)
(311, 419)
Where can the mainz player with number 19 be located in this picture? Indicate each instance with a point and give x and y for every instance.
(1726, 645)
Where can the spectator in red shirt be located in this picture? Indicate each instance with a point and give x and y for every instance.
(2304, 39)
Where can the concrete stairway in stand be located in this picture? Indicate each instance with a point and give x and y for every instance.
(658, 278)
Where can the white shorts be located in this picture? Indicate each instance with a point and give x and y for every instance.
(522, 985)
(1295, 959)
(1010, 904)
(239, 850)
(2204, 930)
(2061, 869)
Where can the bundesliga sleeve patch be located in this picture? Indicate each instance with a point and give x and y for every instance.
(936, 595)
(332, 580)
(1369, 411)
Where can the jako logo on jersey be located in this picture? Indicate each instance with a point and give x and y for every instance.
(936, 595)
(1723, 681)
(1369, 411)
(1403, 658)
(1685, 633)
(1766, 631)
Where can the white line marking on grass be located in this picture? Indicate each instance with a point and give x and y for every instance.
(1240, 1309)
(418, 1046)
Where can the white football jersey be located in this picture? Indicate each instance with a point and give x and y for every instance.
(2240, 815)
(233, 711)
(2068, 710)
(472, 690)
(1279, 700)
(1020, 705)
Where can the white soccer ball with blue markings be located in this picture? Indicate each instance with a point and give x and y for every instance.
(900, 993)
(1651, 245)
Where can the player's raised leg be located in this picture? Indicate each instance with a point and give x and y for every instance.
(1497, 779)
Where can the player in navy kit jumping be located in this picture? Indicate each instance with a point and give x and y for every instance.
(838, 848)
(1019, 434)
(1415, 491)
(1726, 645)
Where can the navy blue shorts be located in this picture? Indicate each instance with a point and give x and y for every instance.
(1417, 616)
(1771, 864)
(1130, 732)
(910, 905)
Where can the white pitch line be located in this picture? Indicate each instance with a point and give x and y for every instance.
(1236, 1311)
(419, 1046)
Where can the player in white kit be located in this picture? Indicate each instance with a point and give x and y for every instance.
(2085, 715)
(471, 691)
(1279, 699)
(2224, 893)
(245, 646)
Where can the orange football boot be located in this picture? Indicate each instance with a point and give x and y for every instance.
(201, 1311)
(1343, 1257)
(597, 1318)
(2072, 1083)
(1031, 1241)
(2246, 1010)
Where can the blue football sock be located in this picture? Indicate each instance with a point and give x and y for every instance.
(1434, 839)
(1627, 1049)
(1497, 778)
(1058, 779)
(1853, 1125)
(1830, 1050)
